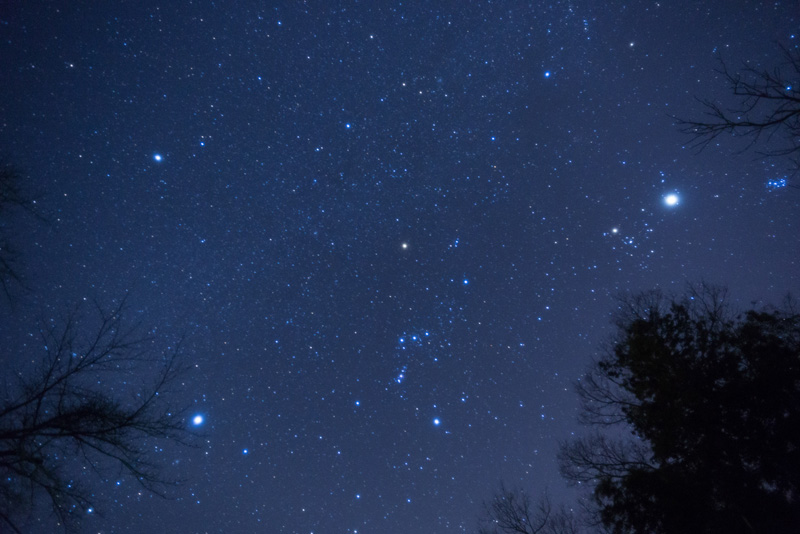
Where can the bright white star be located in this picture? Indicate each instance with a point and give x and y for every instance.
(671, 199)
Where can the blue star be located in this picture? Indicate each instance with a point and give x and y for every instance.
(776, 183)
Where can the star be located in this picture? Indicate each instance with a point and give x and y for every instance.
(671, 199)
(157, 158)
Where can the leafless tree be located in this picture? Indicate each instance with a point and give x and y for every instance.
(598, 456)
(768, 109)
(84, 407)
(12, 198)
(514, 512)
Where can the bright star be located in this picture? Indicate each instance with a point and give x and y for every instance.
(671, 199)
(197, 420)
(157, 157)
(436, 421)
(776, 183)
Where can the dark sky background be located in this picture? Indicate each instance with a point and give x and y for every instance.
(393, 231)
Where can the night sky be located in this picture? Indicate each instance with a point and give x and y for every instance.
(392, 232)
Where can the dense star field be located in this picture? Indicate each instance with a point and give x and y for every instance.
(392, 232)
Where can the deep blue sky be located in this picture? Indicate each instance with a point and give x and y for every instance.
(375, 216)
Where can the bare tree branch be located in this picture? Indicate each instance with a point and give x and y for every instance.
(85, 404)
(768, 110)
(599, 456)
(12, 197)
(514, 512)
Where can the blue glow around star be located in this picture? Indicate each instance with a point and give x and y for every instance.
(776, 183)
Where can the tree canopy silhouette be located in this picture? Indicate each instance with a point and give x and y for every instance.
(696, 417)
(767, 109)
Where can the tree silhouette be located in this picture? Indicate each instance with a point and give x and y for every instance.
(515, 512)
(92, 401)
(768, 109)
(12, 198)
(696, 414)
(85, 407)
